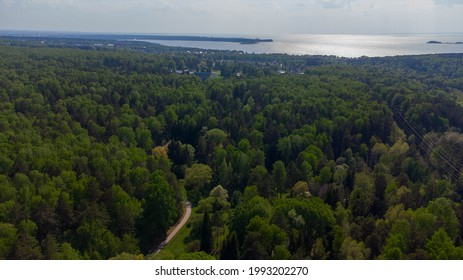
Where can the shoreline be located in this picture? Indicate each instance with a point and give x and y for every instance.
(144, 37)
(444, 43)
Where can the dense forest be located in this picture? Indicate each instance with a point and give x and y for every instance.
(282, 157)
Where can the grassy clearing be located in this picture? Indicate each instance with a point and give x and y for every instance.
(177, 246)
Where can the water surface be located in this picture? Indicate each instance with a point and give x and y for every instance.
(343, 45)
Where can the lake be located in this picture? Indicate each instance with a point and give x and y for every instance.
(343, 45)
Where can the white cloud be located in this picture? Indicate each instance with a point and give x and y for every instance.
(335, 4)
(7, 3)
(237, 16)
(448, 2)
(47, 3)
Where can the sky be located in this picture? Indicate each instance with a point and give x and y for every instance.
(234, 16)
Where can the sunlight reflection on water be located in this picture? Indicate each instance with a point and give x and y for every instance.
(340, 45)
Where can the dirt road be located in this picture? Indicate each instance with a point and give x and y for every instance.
(177, 227)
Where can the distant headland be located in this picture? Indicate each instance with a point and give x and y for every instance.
(134, 37)
(209, 39)
(175, 38)
(448, 43)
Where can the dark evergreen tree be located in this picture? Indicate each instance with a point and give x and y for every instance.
(206, 244)
(230, 250)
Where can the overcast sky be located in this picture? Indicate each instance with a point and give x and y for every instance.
(234, 16)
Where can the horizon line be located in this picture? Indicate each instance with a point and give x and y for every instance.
(25, 31)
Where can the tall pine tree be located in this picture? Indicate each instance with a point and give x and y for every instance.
(206, 234)
(230, 250)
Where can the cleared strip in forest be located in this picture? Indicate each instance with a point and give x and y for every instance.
(453, 168)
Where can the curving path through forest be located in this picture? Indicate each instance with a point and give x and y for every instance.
(177, 228)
